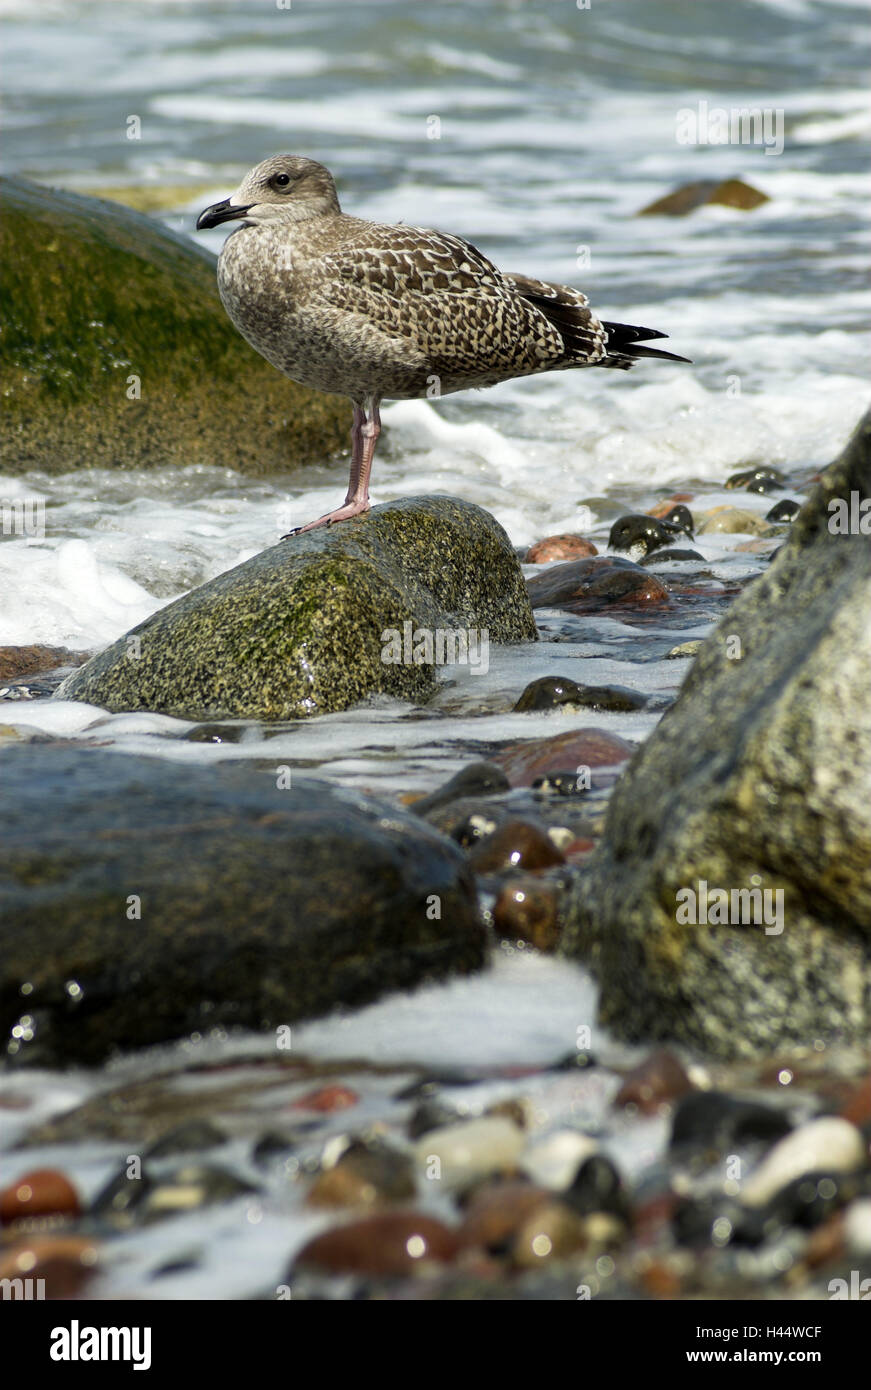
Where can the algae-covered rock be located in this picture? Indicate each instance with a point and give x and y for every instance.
(140, 901)
(117, 352)
(322, 620)
(756, 781)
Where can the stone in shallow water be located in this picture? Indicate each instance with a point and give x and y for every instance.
(552, 692)
(528, 910)
(731, 521)
(828, 1144)
(141, 904)
(323, 620)
(578, 748)
(99, 301)
(515, 844)
(566, 547)
(756, 780)
(731, 193)
(454, 1156)
(594, 586)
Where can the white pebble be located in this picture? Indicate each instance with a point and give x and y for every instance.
(553, 1160)
(828, 1145)
(459, 1152)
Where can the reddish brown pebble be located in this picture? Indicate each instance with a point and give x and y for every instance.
(16, 662)
(44, 1192)
(664, 507)
(515, 844)
(579, 849)
(327, 1099)
(497, 1211)
(595, 586)
(660, 1281)
(858, 1107)
(566, 547)
(391, 1243)
(65, 1263)
(540, 757)
(526, 910)
(660, 1078)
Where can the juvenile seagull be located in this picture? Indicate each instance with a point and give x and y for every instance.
(372, 311)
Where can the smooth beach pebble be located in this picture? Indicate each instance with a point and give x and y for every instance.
(730, 520)
(527, 910)
(828, 1145)
(459, 1153)
(551, 1232)
(565, 547)
(857, 1226)
(326, 1099)
(515, 844)
(66, 1263)
(365, 1174)
(553, 692)
(554, 1160)
(496, 1211)
(593, 586)
(391, 1243)
(537, 757)
(638, 534)
(42, 1193)
(655, 1081)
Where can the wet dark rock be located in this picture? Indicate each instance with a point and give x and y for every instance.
(710, 1120)
(784, 510)
(672, 555)
(776, 747)
(432, 1113)
(638, 534)
(566, 547)
(553, 692)
(754, 479)
(479, 779)
(100, 303)
(126, 1202)
(730, 193)
(597, 1186)
(194, 1136)
(680, 516)
(593, 586)
(140, 906)
(304, 627)
(515, 845)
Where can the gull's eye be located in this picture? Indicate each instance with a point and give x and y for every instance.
(280, 180)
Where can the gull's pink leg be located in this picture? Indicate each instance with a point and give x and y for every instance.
(364, 436)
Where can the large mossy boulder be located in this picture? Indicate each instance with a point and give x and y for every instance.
(303, 628)
(116, 350)
(140, 901)
(758, 778)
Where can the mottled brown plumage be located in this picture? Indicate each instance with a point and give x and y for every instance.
(371, 311)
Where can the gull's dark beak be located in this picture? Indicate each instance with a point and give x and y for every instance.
(221, 212)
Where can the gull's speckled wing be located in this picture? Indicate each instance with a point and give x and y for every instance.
(446, 299)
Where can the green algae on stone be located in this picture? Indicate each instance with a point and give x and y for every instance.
(141, 901)
(757, 777)
(299, 629)
(116, 350)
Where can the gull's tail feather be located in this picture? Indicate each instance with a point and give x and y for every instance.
(625, 346)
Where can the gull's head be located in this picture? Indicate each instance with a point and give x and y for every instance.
(285, 188)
